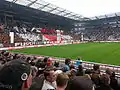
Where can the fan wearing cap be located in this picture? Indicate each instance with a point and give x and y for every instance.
(15, 75)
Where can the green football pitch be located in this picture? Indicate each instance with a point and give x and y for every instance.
(107, 53)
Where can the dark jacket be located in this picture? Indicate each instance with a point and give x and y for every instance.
(104, 87)
(80, 73)
(37, 83)
(114, 83)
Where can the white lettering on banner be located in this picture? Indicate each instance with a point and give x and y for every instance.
(17, 44)
(25, 44)
(20, 47)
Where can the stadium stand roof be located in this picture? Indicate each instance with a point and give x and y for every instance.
(21, 13)
(48, 7)
(48, 13)
(105, 21)
(105, 16)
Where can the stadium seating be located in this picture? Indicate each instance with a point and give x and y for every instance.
(104, 34)
(4, 37)
(86, 73)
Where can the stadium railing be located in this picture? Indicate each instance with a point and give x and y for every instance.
(87, 65)
(103, 67)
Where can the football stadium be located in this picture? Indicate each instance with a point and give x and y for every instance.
(47, 47)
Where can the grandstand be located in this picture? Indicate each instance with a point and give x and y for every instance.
(31, 20)
(30, 17)
(35, 19)
(100, 28)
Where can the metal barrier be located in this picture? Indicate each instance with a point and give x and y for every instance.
(89, 65)
(103, 67)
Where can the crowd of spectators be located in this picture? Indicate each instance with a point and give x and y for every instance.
(25, 31)
(98, 34)
(105, 34)
(29, 72)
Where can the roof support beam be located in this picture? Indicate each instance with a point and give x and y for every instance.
(14, 1)
(116, 15)
(117, 18)
(44, 6)
(61, 12)
(31, 3)
(67, 14)
(52, 9)
(80, 18)
(106, 16)
(72, 15)
(96, 17)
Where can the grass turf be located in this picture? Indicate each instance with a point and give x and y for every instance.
(108, 53)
